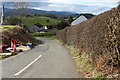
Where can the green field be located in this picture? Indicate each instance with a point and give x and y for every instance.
(42, 20)
(8, 26)
(5, 27)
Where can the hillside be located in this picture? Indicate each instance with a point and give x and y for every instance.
(99, 37)
(59, 14)
(29, 21)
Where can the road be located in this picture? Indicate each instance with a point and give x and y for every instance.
(48, 60)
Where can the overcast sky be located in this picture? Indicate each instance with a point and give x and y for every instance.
(78, 6)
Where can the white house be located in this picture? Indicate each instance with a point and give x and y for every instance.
(81, 18)
(45, 27)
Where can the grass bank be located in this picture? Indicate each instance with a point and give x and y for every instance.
(84, 65)
(6, 56)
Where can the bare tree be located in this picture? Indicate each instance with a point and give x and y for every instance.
(21, 8)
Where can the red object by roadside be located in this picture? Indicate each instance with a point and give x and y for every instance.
(1, 45)
(12, 44)
(14, 47)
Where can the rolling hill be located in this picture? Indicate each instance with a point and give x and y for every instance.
(9, 11)
(42, 20)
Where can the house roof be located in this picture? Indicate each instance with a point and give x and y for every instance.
(78, 20)
(38, 25)
(87, 15)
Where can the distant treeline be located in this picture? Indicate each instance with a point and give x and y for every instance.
(54, 16)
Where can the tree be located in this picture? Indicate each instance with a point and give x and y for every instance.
(47, 20)
(20, 8)
(70, 19)
(14, 21)
(35, 15)
(50, 26)
(52, 16)
(62, 24)
(20, 5)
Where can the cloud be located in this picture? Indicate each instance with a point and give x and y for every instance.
(79, 6)
(12, 0)
(60, 1)
(24, 0)
(80, 1)
(95, 9)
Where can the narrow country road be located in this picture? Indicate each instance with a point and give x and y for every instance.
(48, 60)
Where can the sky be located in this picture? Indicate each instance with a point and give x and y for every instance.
(78, 6)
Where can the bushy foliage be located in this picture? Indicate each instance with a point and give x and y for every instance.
(14, 21)
(62, 25)
(99, 37)
(70, 19)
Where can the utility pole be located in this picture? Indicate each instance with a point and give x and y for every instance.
(2, 16)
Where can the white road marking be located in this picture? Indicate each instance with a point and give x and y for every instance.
(28, 66)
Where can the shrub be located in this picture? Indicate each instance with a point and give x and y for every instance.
(62, 25)
(14, 21)
(70, 19)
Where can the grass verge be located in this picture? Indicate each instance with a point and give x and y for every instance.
(50, 37)
(6, 56)
(8, 26)
(3, 56)
(84, 65)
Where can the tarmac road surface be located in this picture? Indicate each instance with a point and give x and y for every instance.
(48, 60)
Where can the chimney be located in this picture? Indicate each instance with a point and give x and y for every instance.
(2, 16)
